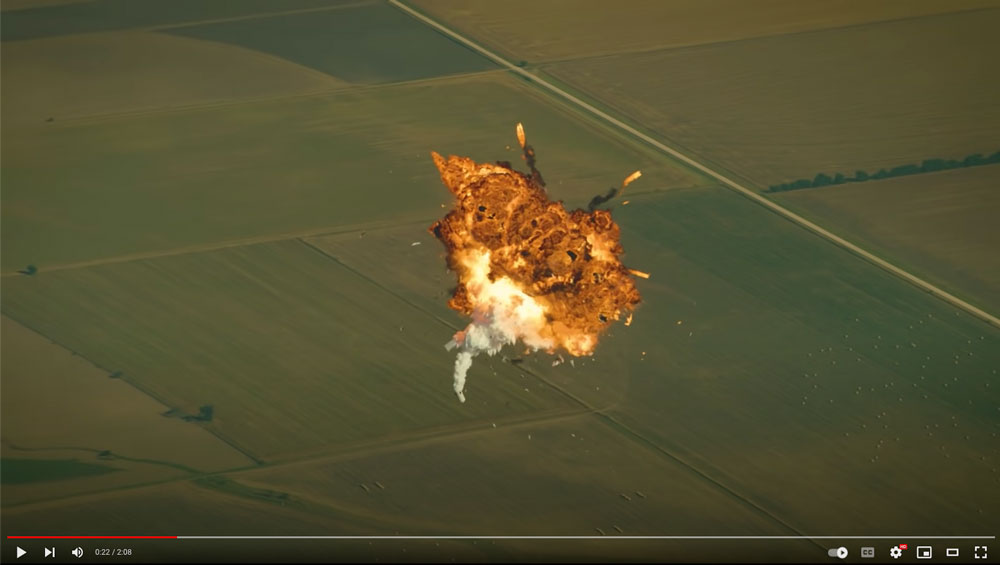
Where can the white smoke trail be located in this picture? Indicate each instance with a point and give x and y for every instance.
(505, 314)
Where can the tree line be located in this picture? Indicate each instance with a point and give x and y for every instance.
(927, 166)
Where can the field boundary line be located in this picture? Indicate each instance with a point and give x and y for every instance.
(90, 119)
(351, 452)
(232, 444)
(218, 246)
(724, 180)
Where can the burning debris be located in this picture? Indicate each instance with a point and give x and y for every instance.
(613, 192)
(527, 269)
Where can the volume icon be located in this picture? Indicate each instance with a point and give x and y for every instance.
(78, 552)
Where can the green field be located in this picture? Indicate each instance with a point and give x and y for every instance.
(45, 19)
(57, 407)
(799, 364)
(53, 78)
(573, 29)
(779, 108)
(153, 183)
(17, 471)
(939, 225)
(749, 324)
(547, 476)
(252, 247)
(370, 43)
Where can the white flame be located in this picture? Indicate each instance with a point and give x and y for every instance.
(503, 315)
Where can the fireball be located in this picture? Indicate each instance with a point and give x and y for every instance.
(527, 269)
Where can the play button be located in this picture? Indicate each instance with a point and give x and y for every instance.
(20, 552)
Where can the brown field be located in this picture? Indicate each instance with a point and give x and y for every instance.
(779, 108)
(570, 29)
(942, 225)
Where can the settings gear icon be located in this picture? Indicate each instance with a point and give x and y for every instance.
(895, 552)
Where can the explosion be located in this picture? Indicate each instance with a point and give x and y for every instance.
(527, 269)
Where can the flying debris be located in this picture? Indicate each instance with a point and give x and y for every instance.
(613, 192)
(527, 269)
(628, 180)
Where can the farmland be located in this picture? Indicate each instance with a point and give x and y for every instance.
(368, 44)
(59, 412)
(960, 250)
(51, 78)
(235, 316)
(779, 108)
(865, 363)
(354, 157)
(227, 328)
(568, 29)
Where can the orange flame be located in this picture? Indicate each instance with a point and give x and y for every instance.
(555, 278)
(628, 180)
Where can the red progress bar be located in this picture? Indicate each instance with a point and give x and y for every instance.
(91, 537)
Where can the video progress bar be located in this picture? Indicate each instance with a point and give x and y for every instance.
(91, 537)
(591, 537)
(526, 537)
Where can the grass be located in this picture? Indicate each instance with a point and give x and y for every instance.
(181, 508)
(786, 107)
(54, 397)
(89, 190)
(367, 44)
(139, 72)
(938, 225)
(776, 362)
(58, 406)
(294, 351)
(41, 21)
(568, 29)
(564, 477)
(18, 471)
(768, 359)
